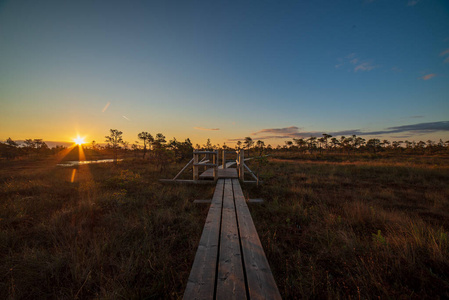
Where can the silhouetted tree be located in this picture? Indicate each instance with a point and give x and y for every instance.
(238, 145)
(160, 151)
(301, 143)
(10, 142)
(260, 146)
(311, 141)
(335, 143)
(208, 145)
(147, 139)
(114, 140)
(326, 137)
(373, 144)
(321, 142)
(248, 143)
(9, 149)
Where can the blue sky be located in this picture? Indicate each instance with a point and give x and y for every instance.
(265, 69)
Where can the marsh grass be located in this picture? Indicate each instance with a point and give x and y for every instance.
(333, 229)
(115, 232)
(356, 229)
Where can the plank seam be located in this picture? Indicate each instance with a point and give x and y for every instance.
(219, 242)
(240, 243)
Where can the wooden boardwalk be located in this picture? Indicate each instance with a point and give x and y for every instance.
(222, 173)
(230, 262)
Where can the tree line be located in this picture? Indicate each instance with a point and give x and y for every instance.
(354, 144)
(158, 150)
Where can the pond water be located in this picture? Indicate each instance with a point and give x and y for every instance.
(72, 163)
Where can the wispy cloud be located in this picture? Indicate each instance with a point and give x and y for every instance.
(236, 140)
(404, 130)
(206, 129)
(428, 76)
(412, 2)
(366, 66)
(125, 118)
(106, 106)
(445, 53)
(285, 130)
(355, 63)
(339, 65)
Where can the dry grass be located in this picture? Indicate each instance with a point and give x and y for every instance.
(113, 233)
(363, 228)
(356, 229)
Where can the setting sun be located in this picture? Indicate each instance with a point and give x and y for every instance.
(79, 141)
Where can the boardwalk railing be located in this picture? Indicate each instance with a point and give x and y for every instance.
(205, 162)
(209, 160)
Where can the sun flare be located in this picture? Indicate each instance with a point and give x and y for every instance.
(79, 141)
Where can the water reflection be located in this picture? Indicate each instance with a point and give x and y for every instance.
(72, 163)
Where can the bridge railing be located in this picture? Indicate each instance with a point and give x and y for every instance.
(210, 159)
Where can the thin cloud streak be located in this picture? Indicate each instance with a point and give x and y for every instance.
(206, 129)
(413, 129)
(359, 65)
(286, 130)
(106, 106)
(428, 76)
(445, 52)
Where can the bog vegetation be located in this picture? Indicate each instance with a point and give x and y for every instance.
(343, 219)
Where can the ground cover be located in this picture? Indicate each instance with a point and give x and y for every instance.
(356, 228)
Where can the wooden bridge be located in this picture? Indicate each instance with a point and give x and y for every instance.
(209, 161)
(230, 262)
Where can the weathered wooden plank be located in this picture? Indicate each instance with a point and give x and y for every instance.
(186, 181)
(202, 201)
(205, 164)
(222, 173)
(201, 282)
(260, 280)
(230, 280)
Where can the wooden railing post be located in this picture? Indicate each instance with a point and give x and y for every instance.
(195, 166)
(215, 162)
(223, 161)
(241, 160)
